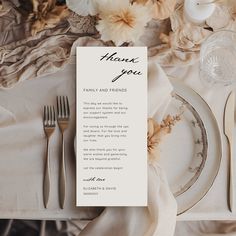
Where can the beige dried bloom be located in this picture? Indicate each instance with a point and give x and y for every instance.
(83, 7)
(122, 22)
(46, 14)
(156, 132)
(162, 9)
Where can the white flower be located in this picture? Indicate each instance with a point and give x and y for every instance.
(121, 21)
(83, 7)
(162, 9)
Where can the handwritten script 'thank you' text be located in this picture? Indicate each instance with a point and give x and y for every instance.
(114, 58)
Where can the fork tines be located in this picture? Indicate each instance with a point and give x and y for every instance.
(63, 109)
(63, 117)
(49, 116)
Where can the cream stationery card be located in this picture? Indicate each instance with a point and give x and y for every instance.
(111, 142)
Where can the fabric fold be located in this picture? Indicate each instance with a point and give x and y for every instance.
(159, 90)
(23, 56)
(162, 207)
(140, 221)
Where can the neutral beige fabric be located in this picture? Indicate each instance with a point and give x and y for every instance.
(151, 220)
(21, 122)
(129, 221)
(163, 97)
(173, 42)
(21, 125)
(5, 7)
(23, 149)
(23, 56)
(206, 228)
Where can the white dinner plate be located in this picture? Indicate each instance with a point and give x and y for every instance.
(191, 154)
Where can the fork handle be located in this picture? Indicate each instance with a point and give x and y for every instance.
(62, 178)
(46, 181)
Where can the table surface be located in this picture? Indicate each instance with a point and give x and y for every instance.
(23, 143)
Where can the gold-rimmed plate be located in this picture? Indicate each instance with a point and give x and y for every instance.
(191, 155)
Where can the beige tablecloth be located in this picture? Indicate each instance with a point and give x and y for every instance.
(23, 147)
(22, 160)
(22, 150)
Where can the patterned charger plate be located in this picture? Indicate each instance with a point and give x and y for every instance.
(191, 154)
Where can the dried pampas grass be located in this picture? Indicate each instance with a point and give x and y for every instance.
(46, 14)
(156, 132)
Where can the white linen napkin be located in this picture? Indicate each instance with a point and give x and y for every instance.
(159, 217)
(159, 90)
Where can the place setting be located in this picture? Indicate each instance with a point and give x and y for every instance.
(117, 116)
(198, 134)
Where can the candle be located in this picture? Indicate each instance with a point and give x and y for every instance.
(197, 11)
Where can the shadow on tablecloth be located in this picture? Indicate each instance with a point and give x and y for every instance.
(73, 228)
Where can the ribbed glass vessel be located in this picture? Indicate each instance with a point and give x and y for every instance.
(218, 59)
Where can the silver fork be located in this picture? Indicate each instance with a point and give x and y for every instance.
(49, 124)
(63, 117)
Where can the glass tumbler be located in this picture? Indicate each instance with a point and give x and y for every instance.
(218, 59)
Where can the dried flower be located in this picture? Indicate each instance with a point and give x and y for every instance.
(162, 8)
(46, 14)
(83, 7)
(121, 21)
(156, 132)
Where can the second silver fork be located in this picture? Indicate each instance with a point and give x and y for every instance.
(63, 117)
(49, 124)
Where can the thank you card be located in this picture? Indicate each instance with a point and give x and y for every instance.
(111, 131)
